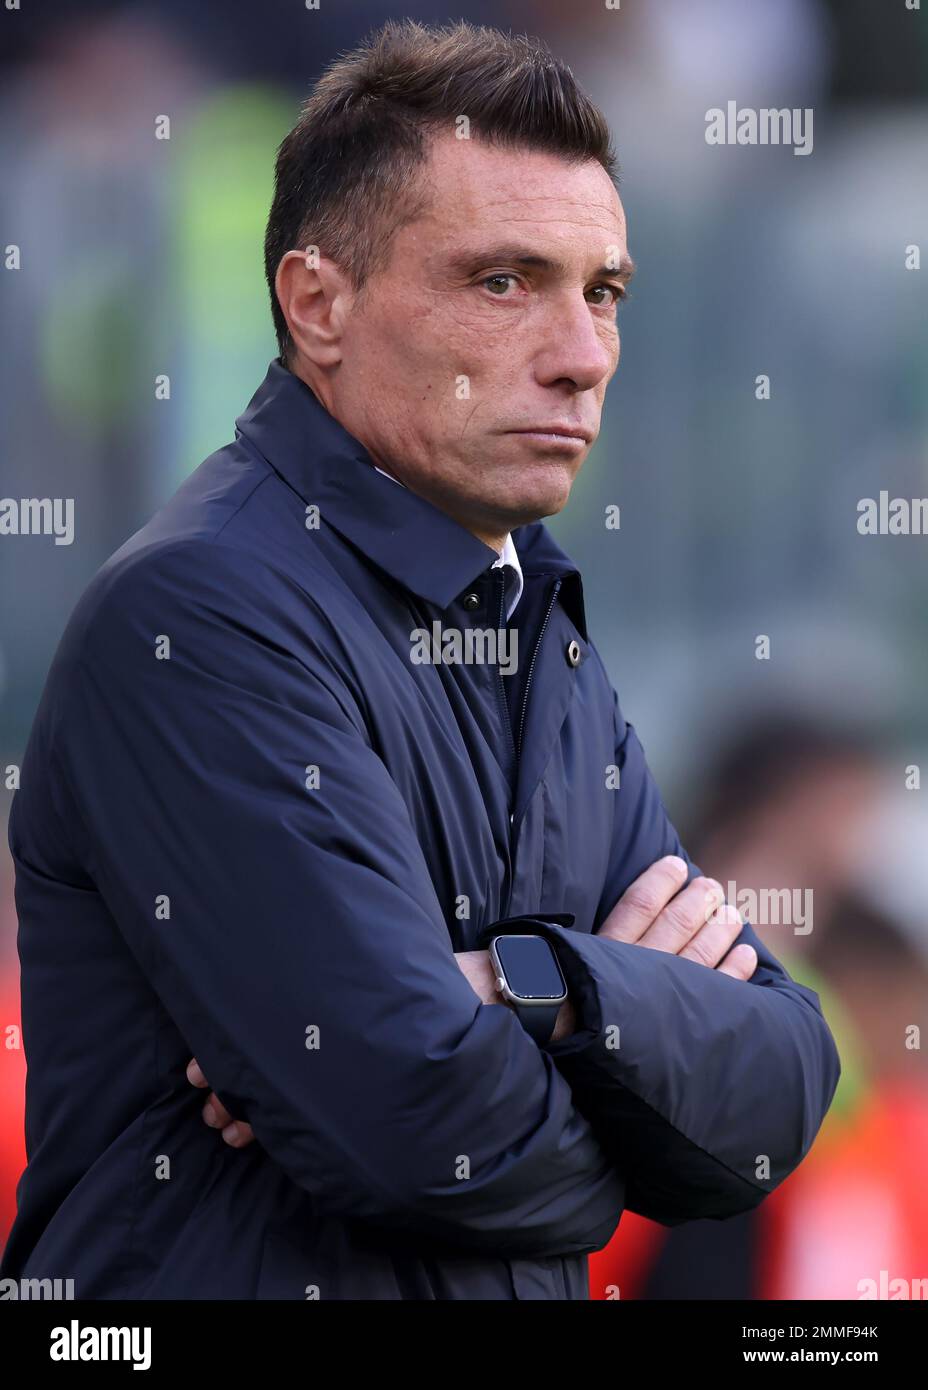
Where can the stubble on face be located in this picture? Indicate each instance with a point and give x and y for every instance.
(490, 326)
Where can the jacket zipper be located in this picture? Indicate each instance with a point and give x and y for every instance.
(528, 679)
(517, 747)
(501, 685)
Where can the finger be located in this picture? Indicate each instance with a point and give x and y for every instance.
(215, 1113)
(194, 1074)
(238, 1134)
(684, 916)
(713, 941)
(644, 899)
(740, 963)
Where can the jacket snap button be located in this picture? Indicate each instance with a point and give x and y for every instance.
(471, 601)
(573, 653)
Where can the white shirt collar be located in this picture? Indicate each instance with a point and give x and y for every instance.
(508, 557)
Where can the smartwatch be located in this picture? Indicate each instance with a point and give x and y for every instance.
(530, 979)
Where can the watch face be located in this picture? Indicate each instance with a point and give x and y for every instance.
(530, 967)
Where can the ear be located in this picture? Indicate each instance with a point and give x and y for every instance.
(313, 294)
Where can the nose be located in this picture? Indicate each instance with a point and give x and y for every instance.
(572, 348)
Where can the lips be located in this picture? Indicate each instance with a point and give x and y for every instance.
(557, 428)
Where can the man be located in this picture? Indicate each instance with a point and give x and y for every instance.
(257, 827)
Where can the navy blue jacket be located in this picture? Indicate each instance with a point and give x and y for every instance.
(251, 829)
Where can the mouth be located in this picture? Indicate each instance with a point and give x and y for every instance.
(559, 433)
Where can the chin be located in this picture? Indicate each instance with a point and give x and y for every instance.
(547, 498)
(545, 488)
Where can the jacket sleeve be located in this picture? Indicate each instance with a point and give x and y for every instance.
(707, 1091)
(262, 867)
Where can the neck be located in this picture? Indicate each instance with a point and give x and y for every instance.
(495, 542)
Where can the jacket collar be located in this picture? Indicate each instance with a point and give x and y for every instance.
(508, 556)
(409, 538)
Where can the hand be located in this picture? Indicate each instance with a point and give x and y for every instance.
(236, 1133)
(480, 975)
(693, 924)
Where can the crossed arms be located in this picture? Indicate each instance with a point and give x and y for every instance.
(417, 1107)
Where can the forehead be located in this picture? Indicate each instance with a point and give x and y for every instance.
(475, 186)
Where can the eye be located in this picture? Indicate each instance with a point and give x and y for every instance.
(498, 284)
(615, 293)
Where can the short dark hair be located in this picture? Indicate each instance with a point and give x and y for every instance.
(344, 178)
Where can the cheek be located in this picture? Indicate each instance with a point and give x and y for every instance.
(611, 339)
(428, 346)
(455, 358)
(461, 328)
(393, 357)
(613, 345)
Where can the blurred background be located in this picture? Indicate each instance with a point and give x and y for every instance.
(796, 775)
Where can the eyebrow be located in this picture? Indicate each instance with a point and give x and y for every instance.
(517, 255)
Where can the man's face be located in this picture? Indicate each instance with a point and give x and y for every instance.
(475, 362)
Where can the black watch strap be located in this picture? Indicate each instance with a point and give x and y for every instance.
(538, 1020)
